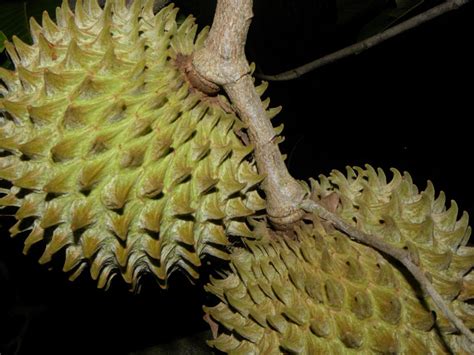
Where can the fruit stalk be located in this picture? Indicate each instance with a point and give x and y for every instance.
(222, 61)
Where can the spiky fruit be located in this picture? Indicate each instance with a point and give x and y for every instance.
(112, 157)
(322, 293)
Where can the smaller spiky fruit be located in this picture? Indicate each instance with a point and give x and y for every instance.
(113, 158)
(322, 293)
(409, 219)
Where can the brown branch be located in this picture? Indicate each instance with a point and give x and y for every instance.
(367, 43)
(222, 61)
(400, 254)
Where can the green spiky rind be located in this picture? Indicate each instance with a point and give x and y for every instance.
(324, 293)
(319, 294)
(113, 160)
(415, 220)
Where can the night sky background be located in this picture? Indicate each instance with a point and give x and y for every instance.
(405, 104)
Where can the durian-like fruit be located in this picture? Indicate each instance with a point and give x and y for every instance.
(110, 156)
(322, 293)
(111, 159)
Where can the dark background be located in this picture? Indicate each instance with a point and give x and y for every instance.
(405, 103)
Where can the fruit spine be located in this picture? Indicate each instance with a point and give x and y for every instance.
(111, 156)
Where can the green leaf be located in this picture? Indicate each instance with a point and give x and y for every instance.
(388, 18)
(15, 16)
(14, 21)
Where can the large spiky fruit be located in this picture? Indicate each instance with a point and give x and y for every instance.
(112, 158)
(322, 293)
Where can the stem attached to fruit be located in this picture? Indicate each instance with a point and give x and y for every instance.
(222, 61)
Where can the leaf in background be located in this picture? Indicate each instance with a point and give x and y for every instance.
(15, 16)
(388, 18)
(13, 20)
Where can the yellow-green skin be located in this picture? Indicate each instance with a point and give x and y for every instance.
(111, 156)
(322, 293)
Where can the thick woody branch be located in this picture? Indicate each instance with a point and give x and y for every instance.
(367, 43)
(399, 254)
(222, 61)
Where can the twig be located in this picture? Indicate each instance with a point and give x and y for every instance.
(400, 254)
(222, 61)
(367, 43)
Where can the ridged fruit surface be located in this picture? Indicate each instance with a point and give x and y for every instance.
(322, 293)
(109, 156)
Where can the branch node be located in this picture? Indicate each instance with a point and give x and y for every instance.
(197, 81)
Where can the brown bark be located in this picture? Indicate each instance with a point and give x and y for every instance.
(223, 62)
